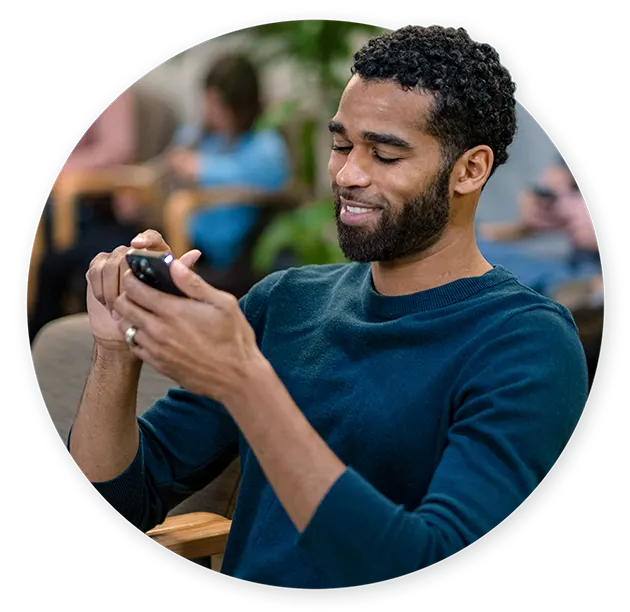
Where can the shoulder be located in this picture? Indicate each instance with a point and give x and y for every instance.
(524, 306)
(530, 349)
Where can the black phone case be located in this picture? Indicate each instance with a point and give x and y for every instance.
(153, 270)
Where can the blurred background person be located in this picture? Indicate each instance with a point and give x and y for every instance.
(532, 218)
(226, 151)
(554, 203)
(103, 220)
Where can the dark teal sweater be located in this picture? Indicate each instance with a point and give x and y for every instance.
(448, 406)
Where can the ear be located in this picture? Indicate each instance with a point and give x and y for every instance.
(472, 170)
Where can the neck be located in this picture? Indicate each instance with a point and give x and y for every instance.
(454, 256)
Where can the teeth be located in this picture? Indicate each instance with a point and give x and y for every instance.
(358, 209)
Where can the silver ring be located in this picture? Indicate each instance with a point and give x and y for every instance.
(130, 337)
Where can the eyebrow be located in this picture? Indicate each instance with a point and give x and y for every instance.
(335, 127)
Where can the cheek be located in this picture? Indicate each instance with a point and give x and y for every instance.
(397, 185)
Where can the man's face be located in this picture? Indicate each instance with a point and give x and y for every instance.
(390, 186)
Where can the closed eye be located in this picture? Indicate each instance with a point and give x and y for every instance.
(386, 160)
(341, 149)
(345, 149)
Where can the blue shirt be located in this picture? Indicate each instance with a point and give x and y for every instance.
(448, 406)
(257, 159)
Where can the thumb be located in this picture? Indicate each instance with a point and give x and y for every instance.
(191, 283)
(190, 258)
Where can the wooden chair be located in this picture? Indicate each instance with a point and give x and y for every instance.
(195, 535)
(62, 353)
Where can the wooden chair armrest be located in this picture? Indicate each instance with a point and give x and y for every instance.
(283, 199)
(70, 185)
(193, 535)
(95, 181)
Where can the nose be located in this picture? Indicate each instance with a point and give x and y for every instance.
(352, 173)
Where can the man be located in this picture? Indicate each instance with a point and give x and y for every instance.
(388, 412)
(556, 203)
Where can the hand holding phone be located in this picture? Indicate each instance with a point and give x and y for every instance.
(152, 268)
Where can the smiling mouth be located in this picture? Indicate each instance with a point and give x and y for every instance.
(359, 210)
(358, 207)
(357, 213)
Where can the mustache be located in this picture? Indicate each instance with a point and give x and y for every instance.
(355, 195)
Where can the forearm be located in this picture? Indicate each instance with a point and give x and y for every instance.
(299, 465)
(104, 438)
(343, 521)
(519, 229)
(506, 231)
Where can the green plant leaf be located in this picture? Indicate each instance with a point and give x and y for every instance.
(308, 233)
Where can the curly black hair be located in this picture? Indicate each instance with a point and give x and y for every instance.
(474, 92)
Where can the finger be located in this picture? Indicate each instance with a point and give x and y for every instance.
(111, 277)
(133, 314)
(190, 258)
(153, 300)
(150, 239)
(146, 355)
(195, 287)
(94, 276)
(122, 268)
(145, 347)
(123, 327)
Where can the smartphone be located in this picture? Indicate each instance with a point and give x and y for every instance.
(152, 268)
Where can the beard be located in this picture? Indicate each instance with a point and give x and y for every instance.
(418, 226)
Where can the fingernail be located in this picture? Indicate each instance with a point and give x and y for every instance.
(138, 239)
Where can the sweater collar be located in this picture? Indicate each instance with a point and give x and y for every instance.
(431, 299)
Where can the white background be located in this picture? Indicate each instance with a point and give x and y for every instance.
(54, 55)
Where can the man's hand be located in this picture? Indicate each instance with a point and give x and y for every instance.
(104, 278)
(204, 343)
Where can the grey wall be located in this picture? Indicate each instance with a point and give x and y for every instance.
(530, 153)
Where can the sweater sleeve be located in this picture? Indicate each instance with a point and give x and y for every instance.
(517, 402)
(185, 441)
